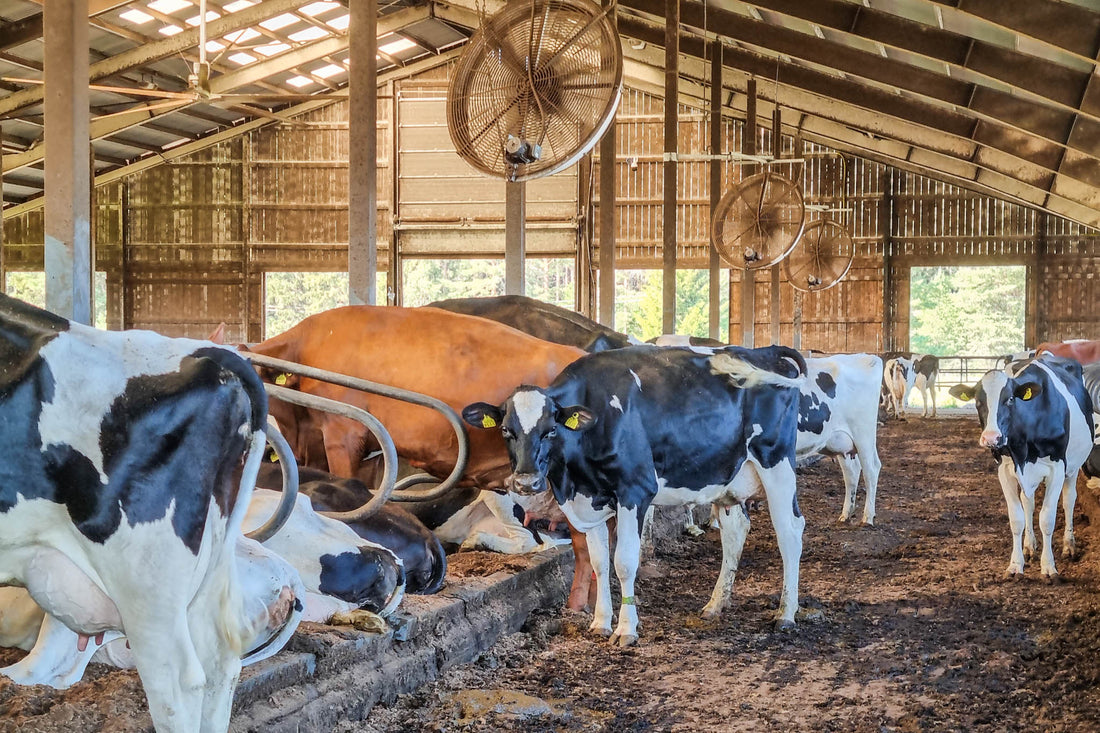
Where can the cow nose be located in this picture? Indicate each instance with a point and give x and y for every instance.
(991, 439)
(526, 483)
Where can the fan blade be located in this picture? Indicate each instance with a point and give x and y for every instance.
(147, 108)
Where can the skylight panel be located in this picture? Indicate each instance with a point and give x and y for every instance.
(341, 23)
(280, 21)
(242, 58)
(210, 15)
(309, 34)
(331, 70)
(401, 44)
(169, 6)
(171, 30)
(136, 17)
(299, 81)
(238, 5)
(214, 46)
(317, 8)
(271, 49)
(241, 36)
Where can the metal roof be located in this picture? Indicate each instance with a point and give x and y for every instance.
(999, 95)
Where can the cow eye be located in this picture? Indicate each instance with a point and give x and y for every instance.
(506, 433)
(551, 432)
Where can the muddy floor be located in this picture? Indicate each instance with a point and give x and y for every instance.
(909, 625)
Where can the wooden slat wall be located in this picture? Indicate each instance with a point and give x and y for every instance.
(185, 244)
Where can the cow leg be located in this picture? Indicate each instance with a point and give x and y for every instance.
(780, 487)
(1047, 516)
(871, 464)
(850, 469)
(1010, 487)
(1069, 500)
(627, 556)
(598, 551)
(170, 670)
(1031, 545)
(581, 591)
(733, 522)
(344, 440)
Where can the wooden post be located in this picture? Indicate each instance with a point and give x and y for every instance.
(748, 277)
(889, 287)
(777, 152)
(363, 153)
(796, 317)
(68, 236)
(672, 119)
(715, 181)
(515, 236)
(608, 179)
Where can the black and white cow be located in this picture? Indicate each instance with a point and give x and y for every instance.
(902, 373)
(122, 494)
(1037, 420)
(838, 416)
(620, 430)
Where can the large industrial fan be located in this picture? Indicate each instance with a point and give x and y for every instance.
(821, 258)
(536, 87)
(758, 222)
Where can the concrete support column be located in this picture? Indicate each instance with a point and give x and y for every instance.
(715, 182)
(363, 153)
(68, 241)
(515, 237)
(672, 118)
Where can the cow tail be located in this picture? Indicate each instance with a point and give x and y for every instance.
(745, 375)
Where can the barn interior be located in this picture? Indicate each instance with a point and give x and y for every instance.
(931, 133)
(217, 143)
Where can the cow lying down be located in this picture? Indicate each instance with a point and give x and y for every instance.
(313, 569)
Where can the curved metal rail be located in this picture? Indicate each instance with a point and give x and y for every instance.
(389, 452)
(399, 492)
(268, 529)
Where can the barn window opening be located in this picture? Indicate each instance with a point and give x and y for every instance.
(965, 312)
(639, 303)
(291, 296)
(424, 280)
(31, 287)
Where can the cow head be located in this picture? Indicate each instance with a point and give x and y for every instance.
(531, 423)
(998, 397)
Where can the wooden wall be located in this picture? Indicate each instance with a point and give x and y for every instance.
(185, 243)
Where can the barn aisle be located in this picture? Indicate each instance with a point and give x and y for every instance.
(907, 626)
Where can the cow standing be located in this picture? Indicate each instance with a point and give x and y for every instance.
(122, 495)
(620, 430)
(902, 373)
(1037, 420)
(1082, 351)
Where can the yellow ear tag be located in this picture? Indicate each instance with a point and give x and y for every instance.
(573, 421)
(488, 422)
(1027, 394)
(281, 379)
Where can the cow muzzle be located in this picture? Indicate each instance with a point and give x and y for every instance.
(527, 483)
(991, 439)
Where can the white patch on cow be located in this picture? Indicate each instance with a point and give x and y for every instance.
(704, 350)
(635, 341)
(530, 406)
(85, 364)
(637, 379)
(615, 403)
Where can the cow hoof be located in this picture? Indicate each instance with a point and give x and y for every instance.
(360, 619)
(694, 530)
(784, 624)
(1052, 579)
(603, 631)
(624, 640)
(869, 523)
(1013, 575)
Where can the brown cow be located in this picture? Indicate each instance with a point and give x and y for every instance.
(1085, 352)
(455, 358)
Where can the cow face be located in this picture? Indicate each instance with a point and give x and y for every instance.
(530, 422)
(998, 398)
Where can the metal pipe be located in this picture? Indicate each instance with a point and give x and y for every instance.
(270, 528)
(385, 391)
(385, 442)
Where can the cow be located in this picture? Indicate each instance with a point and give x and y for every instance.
(677, 339)
(120, 469)
(1082, 351)
(392, 526)
(273, 594)
(620, 430)
(456, 358)
(541, 320)
(902, 373)
(1036, 419)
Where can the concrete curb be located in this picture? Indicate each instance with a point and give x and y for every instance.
(328, 674)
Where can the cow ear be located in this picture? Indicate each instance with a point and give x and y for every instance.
(482, 415)
(963, 392)
(1027, 390)
(576, 418)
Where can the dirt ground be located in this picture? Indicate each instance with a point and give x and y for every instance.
(909, 625)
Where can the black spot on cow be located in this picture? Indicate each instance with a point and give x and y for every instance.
(812, 413)
(827, 384)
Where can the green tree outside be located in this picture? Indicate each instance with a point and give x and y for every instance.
(976, 311)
